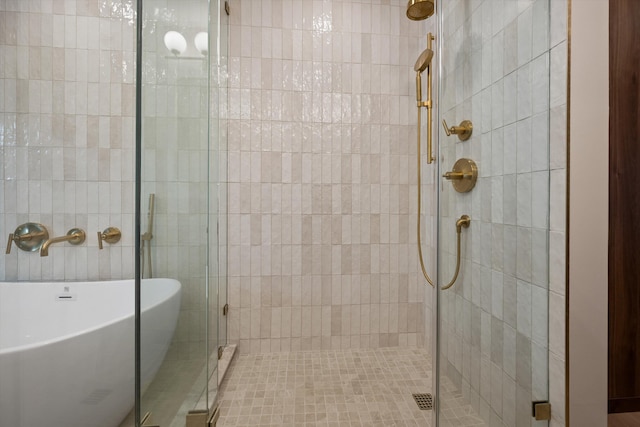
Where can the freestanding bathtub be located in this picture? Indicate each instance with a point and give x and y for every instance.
(67, 349)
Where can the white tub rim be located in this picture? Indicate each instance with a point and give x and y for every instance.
(59, 338)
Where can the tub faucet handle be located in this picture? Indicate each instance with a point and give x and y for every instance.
(110, 235)
(29, 237)
(8, 251)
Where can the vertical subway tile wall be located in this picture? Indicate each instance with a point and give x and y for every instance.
(506, 71)
(67, 88)
(322, 174)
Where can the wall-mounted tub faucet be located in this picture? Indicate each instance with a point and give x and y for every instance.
(75, 236)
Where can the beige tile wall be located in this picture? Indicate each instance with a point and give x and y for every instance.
(67, 133)
(322, 169)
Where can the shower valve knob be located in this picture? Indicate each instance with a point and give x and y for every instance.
(110, 235)
(464, 130)
(463, 176)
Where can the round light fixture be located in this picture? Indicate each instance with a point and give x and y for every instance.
(201, 40)
(175, 42)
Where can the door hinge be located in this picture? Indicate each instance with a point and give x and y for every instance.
(541, 410)
(227, 9)
(225, 309)
(220, 351)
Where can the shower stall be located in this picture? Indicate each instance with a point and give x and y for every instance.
(348, 243)
(266, 157)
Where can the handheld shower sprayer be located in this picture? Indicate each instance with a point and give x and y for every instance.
(423, 62)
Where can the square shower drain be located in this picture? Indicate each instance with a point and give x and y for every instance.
(424, 400)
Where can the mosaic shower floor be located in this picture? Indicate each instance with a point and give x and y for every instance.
(362, 387)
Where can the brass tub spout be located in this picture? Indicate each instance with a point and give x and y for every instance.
(75, 236)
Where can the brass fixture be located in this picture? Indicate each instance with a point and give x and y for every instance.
(463, 221)
(75, 236)
(424, 270)
(147, 419)
(463, 176)
(110, 235)
(463, 130)
(424, 63)
(29, 237)
(417, 10)
(541, 410)
(147, 236)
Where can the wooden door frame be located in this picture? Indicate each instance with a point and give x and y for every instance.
(624, 363)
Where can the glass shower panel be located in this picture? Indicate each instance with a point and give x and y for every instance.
(222, 176)
(493, 321)
(175, 200)
(218, 197)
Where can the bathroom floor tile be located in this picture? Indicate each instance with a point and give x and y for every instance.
(359, 387)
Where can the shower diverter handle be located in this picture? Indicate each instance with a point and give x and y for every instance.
(463, 130)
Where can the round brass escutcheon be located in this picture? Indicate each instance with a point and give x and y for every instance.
(79, 236)
(111, 235)
(30, 236)
(467, 130)
(463, 176)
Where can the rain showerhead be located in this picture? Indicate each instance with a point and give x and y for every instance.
(417, 10)
(423, 60)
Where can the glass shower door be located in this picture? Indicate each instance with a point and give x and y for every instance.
(493, 320)
(217, 325)
(175, 215)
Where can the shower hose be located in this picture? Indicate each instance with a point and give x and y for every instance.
(464, 221)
